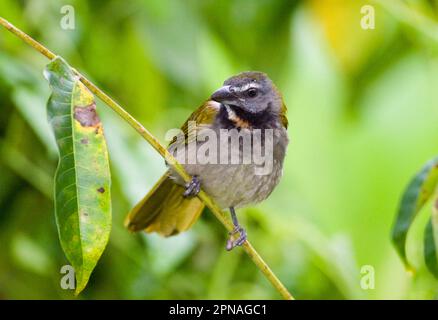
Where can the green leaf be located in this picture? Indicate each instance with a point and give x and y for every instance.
(418, 192)
(82, 180)
(431, 242)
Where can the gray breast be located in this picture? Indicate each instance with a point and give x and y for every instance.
(233, 180)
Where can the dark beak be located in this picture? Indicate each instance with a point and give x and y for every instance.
(223, 94)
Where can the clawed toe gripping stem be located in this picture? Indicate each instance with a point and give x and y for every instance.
(231, 244)
(192, 188)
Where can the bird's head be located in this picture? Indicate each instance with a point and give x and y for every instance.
(251, 93)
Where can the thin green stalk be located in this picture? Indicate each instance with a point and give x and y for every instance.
(249, 249)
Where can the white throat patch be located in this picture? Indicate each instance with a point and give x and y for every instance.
(235, 119)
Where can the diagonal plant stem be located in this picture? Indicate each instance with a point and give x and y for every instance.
(249, 249)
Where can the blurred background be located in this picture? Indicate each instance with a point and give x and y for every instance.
(363, 119)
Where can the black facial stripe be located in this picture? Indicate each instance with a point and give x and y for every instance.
(262, 119)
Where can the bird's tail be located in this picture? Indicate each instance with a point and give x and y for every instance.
(164, 210)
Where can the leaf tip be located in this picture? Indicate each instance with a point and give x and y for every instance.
(80, 286)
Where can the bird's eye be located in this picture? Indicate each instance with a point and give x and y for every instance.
(252, 92)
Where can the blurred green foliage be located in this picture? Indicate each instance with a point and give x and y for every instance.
(362, 111)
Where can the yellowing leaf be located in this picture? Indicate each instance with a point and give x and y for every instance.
(82, 180)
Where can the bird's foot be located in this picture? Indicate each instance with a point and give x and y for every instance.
(193, 187)
(231, 244)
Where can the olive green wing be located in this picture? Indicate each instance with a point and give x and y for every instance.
(201, 117)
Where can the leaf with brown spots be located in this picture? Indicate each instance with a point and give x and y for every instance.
(82, 180)
(420, 190)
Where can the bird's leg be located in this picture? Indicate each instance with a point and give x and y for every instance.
(237, 229)
(193, 187)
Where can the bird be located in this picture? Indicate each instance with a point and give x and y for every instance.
(248, 104)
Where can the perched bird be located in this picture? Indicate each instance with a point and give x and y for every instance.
(247, 102)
